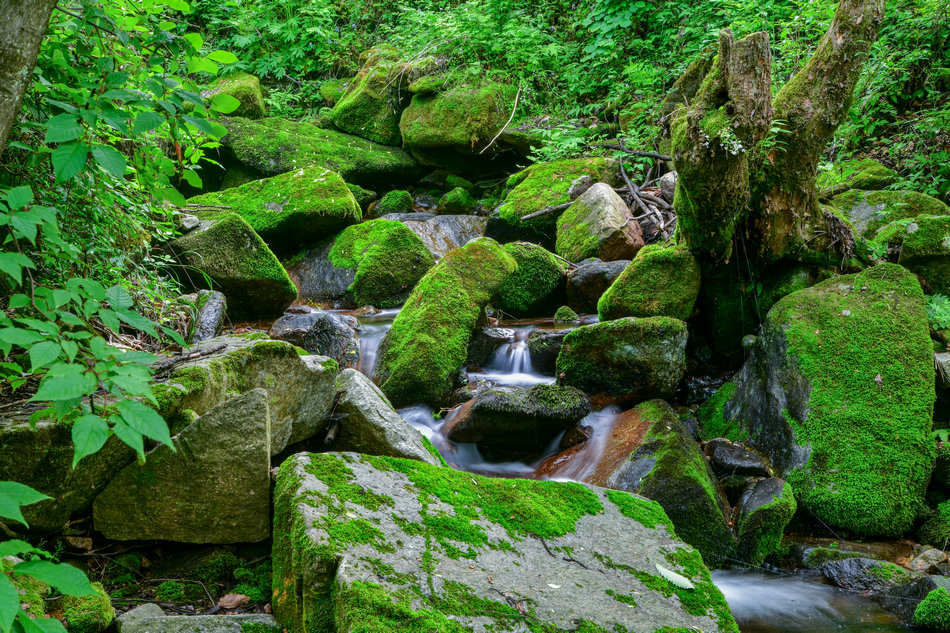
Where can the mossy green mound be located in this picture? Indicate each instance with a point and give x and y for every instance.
(275, 145)
(533, 289)
(712, 419)
(458, 201)
(428, 342)
(289, 210)
(863, 173)
(244, 87)
(545, 185)
(237, 262)
(839, 393)
(389, 259)
(658, 282)
(396, 201)
(760, 528)
(923, 245)
(868, 211)
(87, 614)
(933, 612)
(564, 314)
(462, 117)
(333, 90)
(936, 529)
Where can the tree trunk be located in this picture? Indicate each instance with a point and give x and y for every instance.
(23, 24)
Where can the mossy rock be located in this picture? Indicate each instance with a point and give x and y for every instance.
(625, 361)
(364, 197)
(537, 286)
(389, 260)
(274, 146)
(458, 201)
(87, 614)
(428, 341)
(564, 314)
(374, 99)
(936, 529)
(933, 612)
(545, 185)
(332, 91)
(396, 201)
(764, 511)
(30, 591)
(244, 87)
(869, 211)
(598, 224)
(238, 263)
(862, 173)
(289, 210)
(925, 251)
(463, 117)
(838, 392)
(660, 281)
(712, 419)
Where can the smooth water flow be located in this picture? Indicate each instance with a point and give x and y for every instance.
(374, 329)
(511, 364)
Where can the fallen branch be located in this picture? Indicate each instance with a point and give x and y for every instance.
(505, 126)
(545, 211)
(634, 152)
(165, 365)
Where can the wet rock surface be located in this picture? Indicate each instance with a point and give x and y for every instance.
(589, 280)
(322, 333)
(729, 458)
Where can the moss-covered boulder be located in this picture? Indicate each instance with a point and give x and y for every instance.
(933, 612)
(30, 592)
(924, 249)
(666, 465)
(331, 91)
(906, 600)
(375, 263)
(428, 342)
(237, 262)
(289, 210)
(862, 173)
(244, 87)
(464, 118)
(395, 201)
(588, 281)
(625, 361)
(458, 201)
(275, 145)
(537, 286)
(565, 315)
(712, 418)
(435, 549)
(868, 211)
(658, 282)
(765, 509)
(87, 614)
(936, 529)
(598, 224)
(838, 392)
(545, 185)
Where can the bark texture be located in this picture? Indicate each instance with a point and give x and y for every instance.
(22, 27)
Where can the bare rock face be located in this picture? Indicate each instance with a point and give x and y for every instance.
(378, 542)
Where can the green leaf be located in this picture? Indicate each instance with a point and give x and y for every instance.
(118, 298)
(16, 547)
(18, 336)
(201, 65)
(145, 420)
(9, 602)
(131, 437)
(60, 576)
(110, 159)
(114, 80)
(39, 625)
(110, 319)
(71, 349)
(90, 433)
(225, 104)
(171, 194)
(62, 128)
(18, 301)
(12, 264)
(146, 122)
(13, 495)
(69, 159)
(42, 354)
(19, 197)
(192, 178)
(65, 382)
(139, 322)
(202, 124)
(195, 40)
(223, 57)
(175, 336)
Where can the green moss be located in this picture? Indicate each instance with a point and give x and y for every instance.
(531, 290)
(818, 556)
(936, 529)
(433, 451)
(87, 614)
(466, 117)
(546, 184)
(389, 260)
(333, 90)
(647, 512)
(170, 591)
(452, 181)
(396, 201)
(364, 197)
(760, 533)
(216, 567)
(244, 87)
(428, 85)
(458, 201)
(891, 573)
(869, 211)
(622, 597)
(712, 420)
(275, 146)
(658, 282)
(933, 612)
(429, 338)
(31, 591)
(863, 173)
(925, 251)
(258, 627)
(564, 314)
(871, 402)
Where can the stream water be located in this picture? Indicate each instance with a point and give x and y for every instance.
(761, 601)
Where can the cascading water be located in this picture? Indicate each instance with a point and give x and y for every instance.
(374, 329)
(511, 364)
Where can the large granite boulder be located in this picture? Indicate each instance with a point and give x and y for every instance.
(375, 263)
(321, 333)
(277, 145)
(300, 389)
(428, 342)
(598, 224)
(588, 281)
(214, 487)
(382, 543)
(868, 211)
(514, 419)
(838, 392)
(237, 262)
(544, 347)
(149, 618)
(288, 210)
(445, 233)
(625, 361)
(660, 281)
(370, 425)
(537, 287)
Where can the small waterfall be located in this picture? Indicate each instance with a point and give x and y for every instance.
(374, 329)
(511, 364)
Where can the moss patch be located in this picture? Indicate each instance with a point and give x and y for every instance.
(532, 289)
(396, 201)
(760, 532)
(658, 282)
(712, 419)
(244, 87)
(465, 117)
(933, 612)
(863, 173)
(869, 211)
(458, 201)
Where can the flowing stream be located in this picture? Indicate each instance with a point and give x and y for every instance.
(762, 602)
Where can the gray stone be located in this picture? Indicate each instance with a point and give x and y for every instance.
(866, 574)
(321, 333)
(927, 561)
(579, 186)
(149, 618)
(667, 184)
(589, 280)
(300, 388)
(213, 488)
(598, 224)
(570, 556)
(212, 307)
(445, 233)
(544, 346)
(188, 222)
(942, 362)
(370, 425)
(319, 281)
(485, 341)
(903, 600)
(729, 458)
